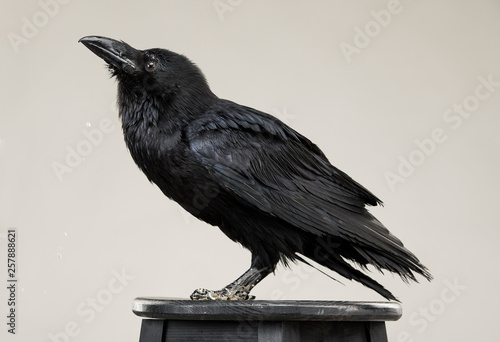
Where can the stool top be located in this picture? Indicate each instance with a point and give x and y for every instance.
(265, 310)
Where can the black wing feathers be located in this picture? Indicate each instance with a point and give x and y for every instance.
(229, 115)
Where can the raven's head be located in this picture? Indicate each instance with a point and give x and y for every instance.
(155, 74)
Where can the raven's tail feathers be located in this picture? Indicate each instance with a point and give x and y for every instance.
(403, 264)
(333, 253)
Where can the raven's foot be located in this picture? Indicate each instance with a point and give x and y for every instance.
(224, 294)
(238, 289)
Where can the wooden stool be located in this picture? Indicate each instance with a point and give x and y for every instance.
(170, 319)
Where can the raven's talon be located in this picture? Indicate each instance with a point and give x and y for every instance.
(224, 294)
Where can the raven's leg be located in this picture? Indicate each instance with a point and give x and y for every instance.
(238, 289)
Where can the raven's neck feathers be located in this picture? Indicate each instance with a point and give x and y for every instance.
(170, 111)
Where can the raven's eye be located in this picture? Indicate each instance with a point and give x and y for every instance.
(150, 65)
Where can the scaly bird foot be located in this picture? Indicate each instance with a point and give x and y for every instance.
(224, 294)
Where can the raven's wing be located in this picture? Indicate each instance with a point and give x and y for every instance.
(268, 165)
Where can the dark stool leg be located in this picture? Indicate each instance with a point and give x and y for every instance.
(152, 330)
(377, 332)
(279, 332)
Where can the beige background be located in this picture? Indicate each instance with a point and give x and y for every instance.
(77, 234)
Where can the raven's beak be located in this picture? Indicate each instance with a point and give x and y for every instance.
(117, 54)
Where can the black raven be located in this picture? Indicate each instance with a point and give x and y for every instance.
(262, 183)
